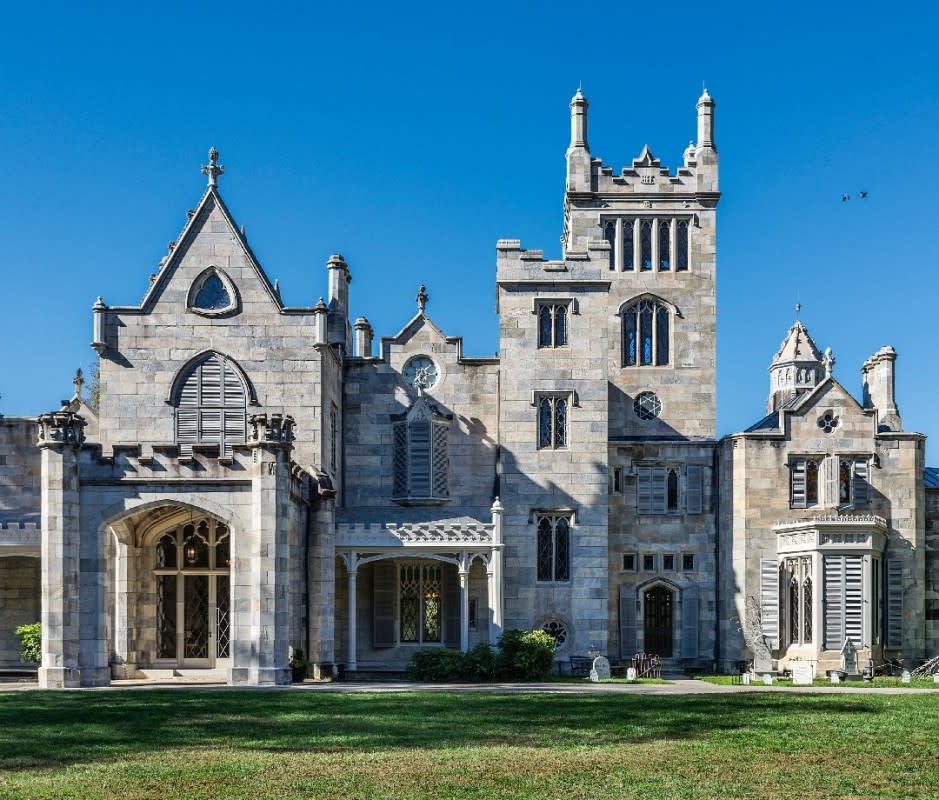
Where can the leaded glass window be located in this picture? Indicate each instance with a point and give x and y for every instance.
(681, 245)
(672, 490)
(645, 244)
(554, 548)
(213, 295)
(628, 253)
(552, 422)
(609, 234)
(665, 238)
(552, 325)
(420, 603)
(799, 600)
(646, 334)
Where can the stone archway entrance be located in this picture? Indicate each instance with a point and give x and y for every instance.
(193, 595)
(658, 621)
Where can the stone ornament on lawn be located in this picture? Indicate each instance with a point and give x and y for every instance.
(767, 679)
(600, 670)
(906, 677)
(802, 673)
(835, 678)
(849, 658)
(631, 674)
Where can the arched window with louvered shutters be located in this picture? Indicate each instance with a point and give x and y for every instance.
(211, 406)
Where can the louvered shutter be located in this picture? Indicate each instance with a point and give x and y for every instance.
(797, 468)
(211, 370)
(644, 490)
(400, 460)
(695, 492)
(860, 488)
(659, 489)
(769, 601)
(834, 602)
(689, 621)
(830, 467)
(627, 621)
(854, 599)
(451, 607)
(441, 462)
(894, 638)
(235, 428)
(210, 425)
(234, 390)
(383, 604)
(419, 461)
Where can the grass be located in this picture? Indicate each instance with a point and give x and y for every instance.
(276, 744)
(877, 683)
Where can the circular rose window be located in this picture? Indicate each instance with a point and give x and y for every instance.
(647, 405)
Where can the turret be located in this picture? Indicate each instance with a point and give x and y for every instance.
(796, 369)
(578, 153)
(877, 374)
(337, 300)
(363, 338)
(705, 153)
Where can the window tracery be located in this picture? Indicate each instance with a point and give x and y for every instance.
(646, 333)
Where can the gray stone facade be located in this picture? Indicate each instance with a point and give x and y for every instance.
(257, 480)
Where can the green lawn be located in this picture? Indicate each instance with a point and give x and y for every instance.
(286, 744)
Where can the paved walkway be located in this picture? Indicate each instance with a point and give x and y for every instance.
(674, 687)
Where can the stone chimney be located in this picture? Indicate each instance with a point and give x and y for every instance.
(363, 338)
(877, 374)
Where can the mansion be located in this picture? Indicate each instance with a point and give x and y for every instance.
(259, 478)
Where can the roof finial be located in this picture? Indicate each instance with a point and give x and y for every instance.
(798, 309)
(828, 360)
(422, 298)
(213, 169)
(78, 381)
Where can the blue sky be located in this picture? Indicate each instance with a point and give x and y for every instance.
(411, 137)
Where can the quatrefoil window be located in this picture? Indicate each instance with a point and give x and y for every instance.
(828, 422)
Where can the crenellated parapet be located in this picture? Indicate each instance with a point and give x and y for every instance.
(61, 428)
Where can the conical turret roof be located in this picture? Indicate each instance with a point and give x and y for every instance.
(797, 346)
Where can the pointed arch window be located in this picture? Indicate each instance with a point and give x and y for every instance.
(211, 406)
(552, 324)
(609, 234)
(646, 334)
(645, 244)
(665, 244)
(213, 294)
(681, 245)
(421, 460)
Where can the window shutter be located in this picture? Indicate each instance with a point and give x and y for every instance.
(419, 466)
(659, 489)
(189, 395)
(627, 621)
(834, 602)
(644, 490)
(832, 499)
(695, 490)
(210, 425)
(383, 604)
(235, 428)
(211, 382)
(894, 638)
(797, 469)
(400, 462)
(769, 601)
(187, 425)
(689, 621)
(853, 600)
(441, 461)
(234, 391)
(451, 607)
(860, 488)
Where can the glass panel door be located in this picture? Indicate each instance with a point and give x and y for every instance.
(196, 631)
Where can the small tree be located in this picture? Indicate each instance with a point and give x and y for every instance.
(30, 642)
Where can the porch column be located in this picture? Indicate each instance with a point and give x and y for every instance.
(494, 573)
(464, 608)
(352, 566)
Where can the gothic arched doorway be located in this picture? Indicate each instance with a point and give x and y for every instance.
(658, 603)
(193, 594)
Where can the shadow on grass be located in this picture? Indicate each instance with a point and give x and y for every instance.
(49, 729)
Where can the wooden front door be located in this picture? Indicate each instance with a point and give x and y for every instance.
(658, 621)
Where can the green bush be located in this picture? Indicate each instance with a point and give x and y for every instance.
(521, 656)
(525, 655)
(30, 642)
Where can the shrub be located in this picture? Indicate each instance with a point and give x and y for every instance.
(436, 664)
(479, 664)
(30, 642)
(525, 655)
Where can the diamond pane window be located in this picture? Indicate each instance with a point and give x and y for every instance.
(419, 600)
(552, 422)
(552, 325)
(554, 548)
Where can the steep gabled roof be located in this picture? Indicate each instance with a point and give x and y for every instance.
(931, 477)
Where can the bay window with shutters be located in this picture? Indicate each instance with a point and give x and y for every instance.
(421, 462)
(211, 399)
(833, 581)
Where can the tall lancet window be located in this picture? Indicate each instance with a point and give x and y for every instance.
(628, 253)
(645, 334)
(609, 234)
(681, 245)
(665, 246)
(645, 244)
(211, 406)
